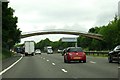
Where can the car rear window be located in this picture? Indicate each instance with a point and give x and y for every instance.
(50, 49)
(75, 50)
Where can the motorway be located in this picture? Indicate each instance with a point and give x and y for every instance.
(52, 66)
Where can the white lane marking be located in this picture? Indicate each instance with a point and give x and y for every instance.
(47, 60)
(11, 66)
(92, 62)
(64, 70)
(53, 64)
(43, 58)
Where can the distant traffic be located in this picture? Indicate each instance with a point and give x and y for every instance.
(69, 54)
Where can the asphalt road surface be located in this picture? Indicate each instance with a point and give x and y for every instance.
(53, 66)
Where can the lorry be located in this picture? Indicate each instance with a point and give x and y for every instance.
(48, 49)
(29, 48)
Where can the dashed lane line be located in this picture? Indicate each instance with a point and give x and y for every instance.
(92, 62)
(64, 70)
(47, 60)
(53, 64)
(11, 65)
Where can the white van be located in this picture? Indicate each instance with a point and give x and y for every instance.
(49, 51)
(29, 48)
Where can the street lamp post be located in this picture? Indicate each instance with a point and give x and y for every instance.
(119, 9)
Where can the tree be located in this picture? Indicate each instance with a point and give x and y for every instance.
(111, 33)
(10, 32)
(43, 43)
(111, 36)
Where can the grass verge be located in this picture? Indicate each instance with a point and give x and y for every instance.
(6, 54)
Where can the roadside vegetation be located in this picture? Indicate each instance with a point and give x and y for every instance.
(6, 54)
(111, 36)
(10, 32)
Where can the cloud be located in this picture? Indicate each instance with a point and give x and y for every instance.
(107, 11)
(104, 19)
(75, 27)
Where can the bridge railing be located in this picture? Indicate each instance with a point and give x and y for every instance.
(97, 53)
(53, 30)
(60, 30)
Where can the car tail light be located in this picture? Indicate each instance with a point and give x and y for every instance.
(76, 53)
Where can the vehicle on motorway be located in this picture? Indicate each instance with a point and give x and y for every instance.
(19, 50)
(114, 55)
(48, 49)
(29, 48)
(60, 51)
(74, 54)
(37, 51)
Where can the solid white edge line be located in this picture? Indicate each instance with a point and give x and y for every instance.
(11, 66)
(64, 70)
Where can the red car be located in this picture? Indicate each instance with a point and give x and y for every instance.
(74, 54)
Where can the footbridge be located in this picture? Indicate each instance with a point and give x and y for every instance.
(61, 31)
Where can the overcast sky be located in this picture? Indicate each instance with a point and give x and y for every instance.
(80, 15)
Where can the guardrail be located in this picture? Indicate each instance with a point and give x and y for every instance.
(97, 53)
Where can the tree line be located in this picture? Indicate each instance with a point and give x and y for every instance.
(55, 45)
(10, 32)
(111, 36)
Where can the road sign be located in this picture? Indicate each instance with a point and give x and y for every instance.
(68, 39)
